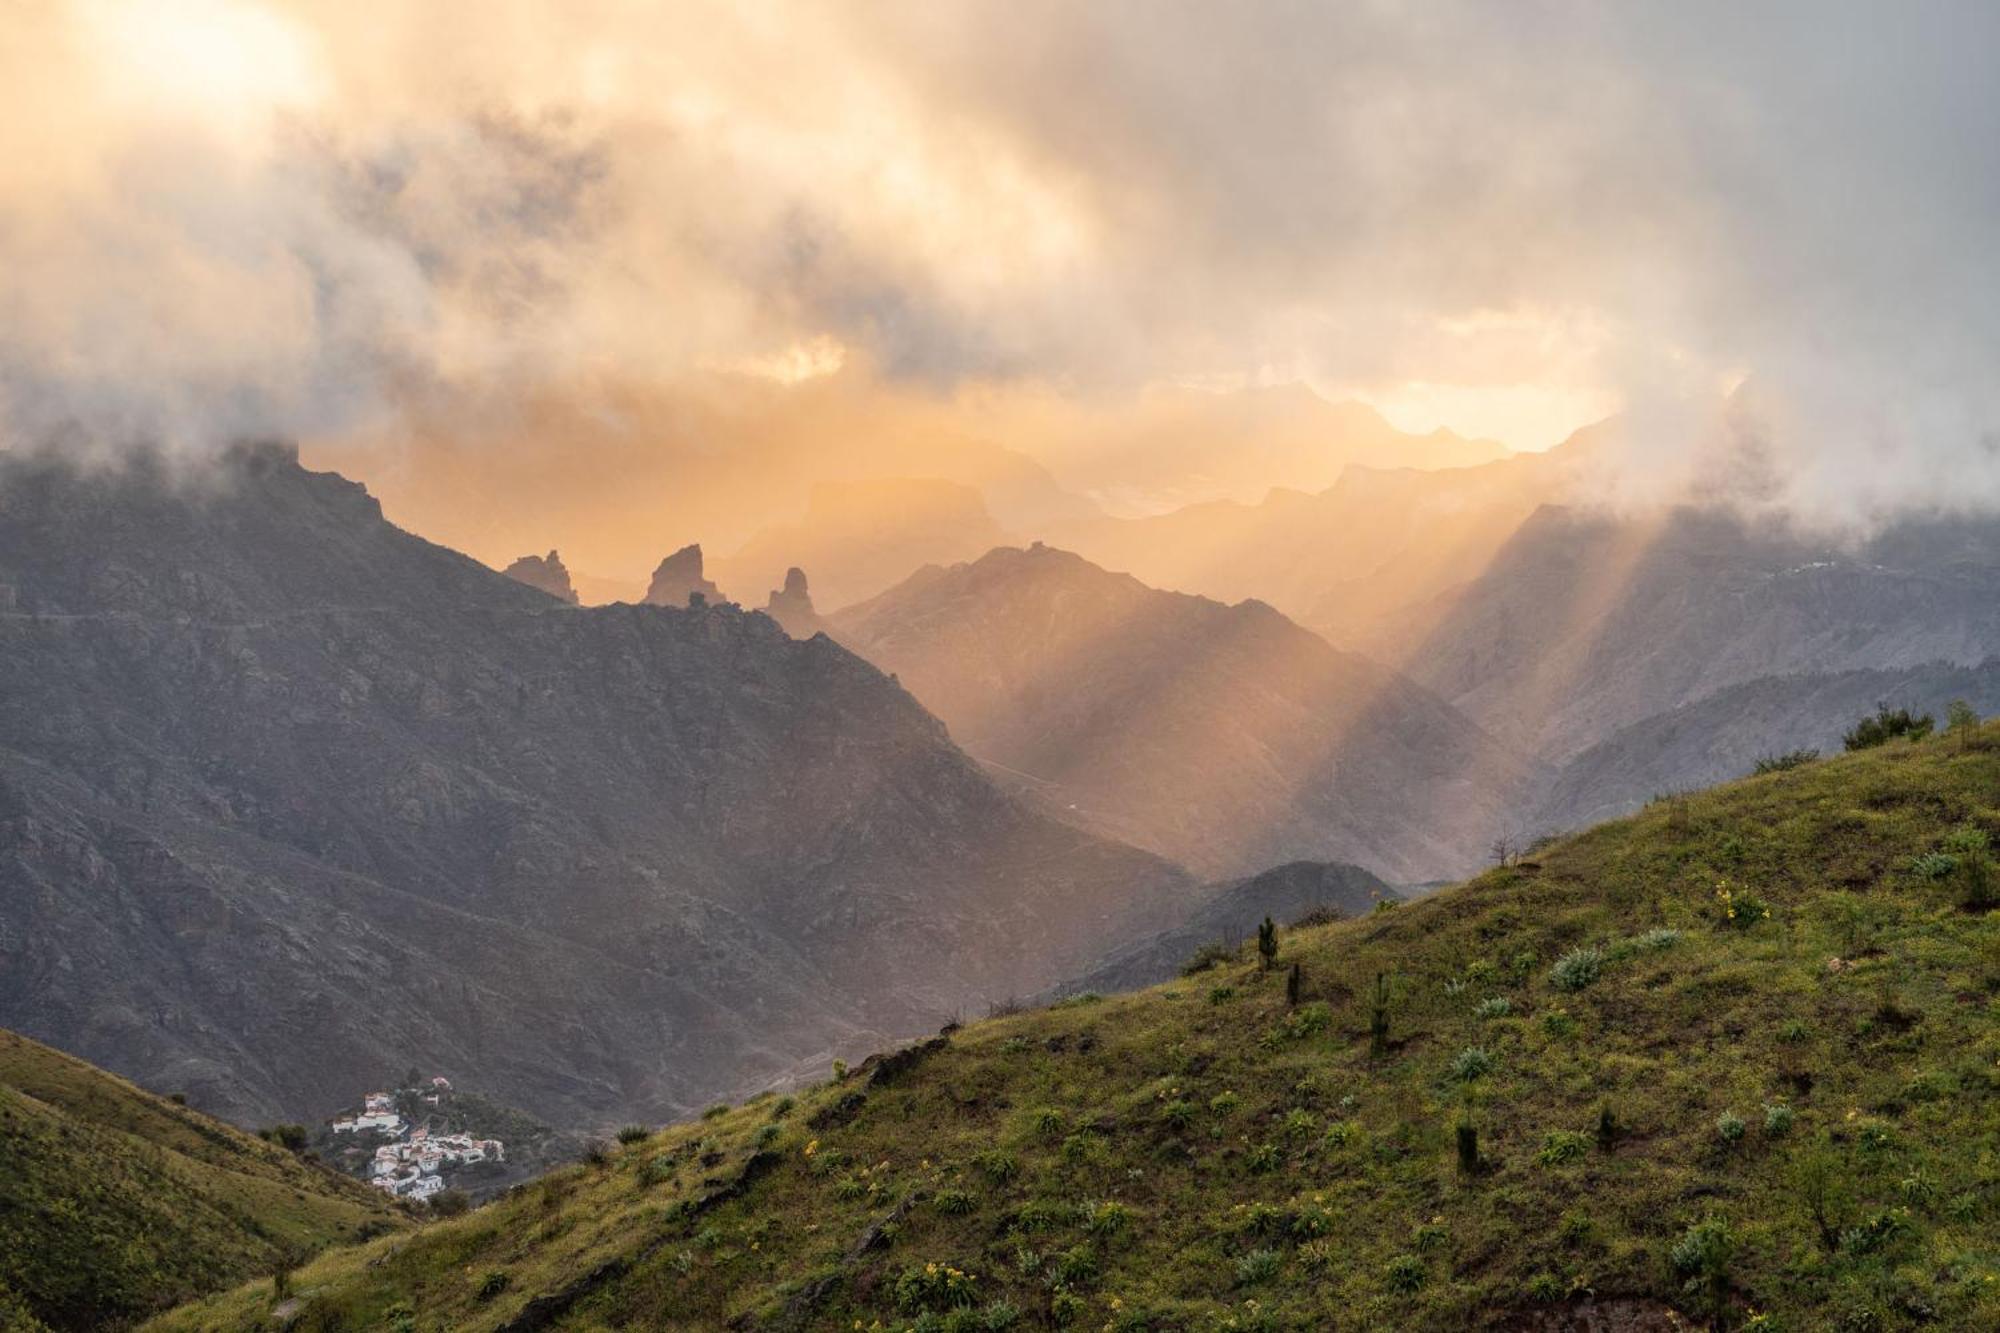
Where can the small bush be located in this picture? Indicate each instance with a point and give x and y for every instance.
(1078, 1266)
(1702, 1256)
(633, 1134)
(1497, 1007)
(1405, 1273)
(1178, 1114)
(1000, 1315)
(1300, 1123)
(1557, 1023)
(1729, 1127)
(1221, 994)
(1563, 1146)
(783, 1107)
(1886, 726)
(1471, 1063)
(1778, 1119)
(716, 1112)
(1264, 1159)
(597, 1153)
(1576, 969)
(954, 1203)
(1256, 1266)
(1224, 1102)
(1934, 866)
(491, 1284)
(1784, 763)
(1109, 1219)
(1048, 1122)
(998, 1166)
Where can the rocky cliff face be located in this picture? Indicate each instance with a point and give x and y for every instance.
(290, 798)
(792, 606)
(1225, 737)
(679, 580)
(545, 572)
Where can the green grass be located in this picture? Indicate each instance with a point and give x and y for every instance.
(115, 1204)
(1198, 1156)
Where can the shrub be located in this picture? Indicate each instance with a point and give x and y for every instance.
(1065, 1308)
(1934, 866)
(1209, 956)
(292, 1138)
(1702, 1256)
(1886, 726)
(1783, 763)
(1256, 1266)
(1729, 1127)
(1563, 1146)
(1077, 1266)
(1300, 1122)
(1109, 1219)
(1740, 911)
(1000, 1315)
(998, 1166)
(783, 1107)
(716, 1112)
(1405, 1273)
(1221, 994)
(1576, 969)
(633, 1134)
(1311, 1220)
(1267, 941)
(1264, 1158)
(1778, 1119)
(1048, 1122)
(1317, 1256)
(1558, 1024)
(1975, 874)
(1658, 940)
(1340, 1133)
(1178, 1114)
(492, 1284)
(766, 1135)
(954, 1203)
(1222, 1103)
(935, 1286)
(597, 1153)
(1471, 1063)
(1498, 1006)
(1306, 1021)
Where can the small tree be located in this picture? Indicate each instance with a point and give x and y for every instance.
(1888, 725)
(1468, 1148)
(1607, 1126)
(1960, 720)
(1267, 942)
(1378, 1019)
(1292, 982)
(1816, 1176)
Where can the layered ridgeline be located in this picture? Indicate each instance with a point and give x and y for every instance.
(1223, 737)
(1732, 1059)
(115, 1204)
(291, 799)
(1589, 631)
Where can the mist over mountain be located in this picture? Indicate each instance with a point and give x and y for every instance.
(1224, 737)
(290, 798)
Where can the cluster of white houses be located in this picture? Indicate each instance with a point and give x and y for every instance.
(409, 1166)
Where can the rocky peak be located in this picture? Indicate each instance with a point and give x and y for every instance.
(679, 579)
(546, 572)
(792, 606)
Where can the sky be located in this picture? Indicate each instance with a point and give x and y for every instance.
(1761, 233)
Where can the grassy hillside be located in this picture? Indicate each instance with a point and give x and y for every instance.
(1733, 1060)
(115, 1203)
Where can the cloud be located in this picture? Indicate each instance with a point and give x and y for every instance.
(221, 217)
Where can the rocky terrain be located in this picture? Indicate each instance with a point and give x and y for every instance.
(1223, 737)
(290, 799)
(679, 579)
(792, 606)
(545, 572)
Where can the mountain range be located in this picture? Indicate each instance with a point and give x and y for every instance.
(1225, 738)
(290, 797)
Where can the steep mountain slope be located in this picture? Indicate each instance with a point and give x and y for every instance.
(1224, 737)
(1733, 1058)
(1586, 623)
(115, 1204)
(1287, 893)
(290, 798)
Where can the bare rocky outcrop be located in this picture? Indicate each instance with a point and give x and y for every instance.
(792, 606)
(679, 580)
(546, 572)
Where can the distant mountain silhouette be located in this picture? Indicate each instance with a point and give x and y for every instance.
(1224, 737)
(290, 798)
(792, 606)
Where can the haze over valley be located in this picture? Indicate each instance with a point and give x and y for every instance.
(780, 666)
